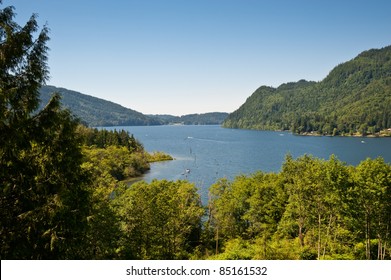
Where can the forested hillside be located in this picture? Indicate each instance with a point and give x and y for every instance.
(355, 98)
(95, 111)
(194, 119)
(98, 112)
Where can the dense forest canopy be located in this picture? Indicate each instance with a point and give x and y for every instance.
(312, 209)
(355, 98)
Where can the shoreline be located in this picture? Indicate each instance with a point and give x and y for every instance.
(382, 134)
(153, 157)
(377, 135)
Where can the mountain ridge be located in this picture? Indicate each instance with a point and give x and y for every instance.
(354, 98)
(95, 112)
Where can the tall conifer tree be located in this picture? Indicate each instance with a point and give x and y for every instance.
(44, 200)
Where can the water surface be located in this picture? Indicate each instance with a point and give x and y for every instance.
(204, 154)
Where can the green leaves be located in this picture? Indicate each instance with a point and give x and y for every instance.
(372, 189)
(160, 220)
(117, 162)
(313, 209)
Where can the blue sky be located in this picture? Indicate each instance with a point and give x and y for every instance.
(180, 57)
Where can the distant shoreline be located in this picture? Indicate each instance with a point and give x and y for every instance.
(357, 135)
(381, 134)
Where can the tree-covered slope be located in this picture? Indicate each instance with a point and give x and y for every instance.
(95, 111)
(193, 119)
(354, 98)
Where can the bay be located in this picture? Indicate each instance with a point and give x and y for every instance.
(203, 154)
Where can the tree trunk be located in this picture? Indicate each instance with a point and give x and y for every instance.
(217, 240)
(301, 237)
(384, 250)
(367, 238)
(327, 235)
(319, 239)
(264, 247)
(379, 247)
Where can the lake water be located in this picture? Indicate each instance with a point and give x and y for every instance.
(204, 154)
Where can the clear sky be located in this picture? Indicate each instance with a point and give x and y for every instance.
(195, 56)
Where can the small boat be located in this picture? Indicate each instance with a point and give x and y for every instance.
(187, 171)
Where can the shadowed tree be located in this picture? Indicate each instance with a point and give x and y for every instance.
(44, 201)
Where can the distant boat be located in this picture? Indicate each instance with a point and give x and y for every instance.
(363, 142)
(187, 171)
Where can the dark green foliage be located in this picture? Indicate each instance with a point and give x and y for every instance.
(355, 98)
(44, 201)
(102, 138)
(95, 111)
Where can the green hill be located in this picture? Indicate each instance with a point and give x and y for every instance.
(98, 112)
(355, 98)
(95, 111)
(194, 119)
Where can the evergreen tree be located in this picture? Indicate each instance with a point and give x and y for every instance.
(44, 199)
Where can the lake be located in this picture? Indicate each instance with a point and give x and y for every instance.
(203, 154)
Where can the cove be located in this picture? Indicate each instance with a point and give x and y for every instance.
(203, 154)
